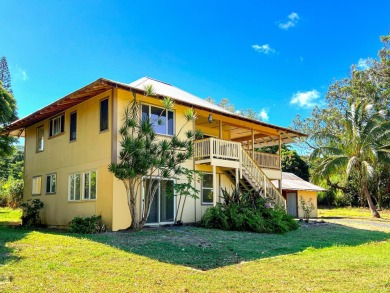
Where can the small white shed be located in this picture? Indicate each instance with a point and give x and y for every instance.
(293, 188)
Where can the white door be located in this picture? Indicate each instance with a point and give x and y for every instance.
(292, 207)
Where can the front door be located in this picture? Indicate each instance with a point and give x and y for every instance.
(162, 209)
(292, 207)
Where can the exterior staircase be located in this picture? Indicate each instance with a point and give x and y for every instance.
(229, 154)
(253, 178)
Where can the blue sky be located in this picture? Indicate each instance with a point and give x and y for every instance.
(276, 57)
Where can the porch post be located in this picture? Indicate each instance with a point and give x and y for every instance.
(280, 162)
(237, 179)
(220, 129)
(253, 144)
(215, 188)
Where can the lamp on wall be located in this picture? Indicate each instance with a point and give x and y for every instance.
(210, 118)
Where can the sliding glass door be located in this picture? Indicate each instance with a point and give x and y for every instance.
(162, 209)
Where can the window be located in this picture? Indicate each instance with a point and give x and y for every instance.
(207, 189)
(57, 125)
(36, 185)
(51, 181)
(90, 185)
(82, 186)
(73, 126)
(74, 187)
(163, 121)
(40, 139)
(104, 115)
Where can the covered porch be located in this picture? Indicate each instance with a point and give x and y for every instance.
(231, 143)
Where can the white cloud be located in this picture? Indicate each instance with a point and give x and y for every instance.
(305, 99)
(363, 64)
(20, 74)
(293, 18)
(264, 114)
(265, 49)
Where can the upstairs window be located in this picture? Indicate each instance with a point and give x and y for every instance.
(73, 126)
(104, 115)
(51, 182)
(163, 120)
(57, 125)
(40, 139)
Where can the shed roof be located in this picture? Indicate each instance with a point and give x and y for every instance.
(291, 181)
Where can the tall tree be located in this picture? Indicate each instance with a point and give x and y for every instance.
(144, 155)
(371, 85)
(5, 76)
(7, 115)
(363, 143)
(225, 104)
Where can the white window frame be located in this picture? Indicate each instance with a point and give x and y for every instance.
(36, 184)
(71, 178)
(59, 125)
(50, 178)
(83, 196)
(40, 140)
(166, 118)
(159, 207)
(206, 188)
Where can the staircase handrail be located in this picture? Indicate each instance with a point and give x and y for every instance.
(261, 178)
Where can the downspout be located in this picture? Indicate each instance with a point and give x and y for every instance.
(114, 142)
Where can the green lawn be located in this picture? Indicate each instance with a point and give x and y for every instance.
(348, 212)
(10, 216)
(315, 258)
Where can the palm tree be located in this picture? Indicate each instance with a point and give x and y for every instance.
(363, 143)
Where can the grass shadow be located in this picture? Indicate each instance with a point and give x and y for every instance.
(10, 234)
(206, 249)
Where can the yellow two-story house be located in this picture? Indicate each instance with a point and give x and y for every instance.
(70, 143)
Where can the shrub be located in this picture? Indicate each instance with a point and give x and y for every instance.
(15, 193)
(87, 225)
(247, 212)
(11, 192)
(31, 213)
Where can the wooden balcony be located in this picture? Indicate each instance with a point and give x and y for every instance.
(228, 153)
(217, 152)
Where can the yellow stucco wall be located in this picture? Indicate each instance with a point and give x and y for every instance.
(307, 196)
(95, 151)
(90, 151)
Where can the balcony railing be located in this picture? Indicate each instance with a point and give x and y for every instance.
(265, 160)
(208, 148)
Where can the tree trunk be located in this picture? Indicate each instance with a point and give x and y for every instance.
(371, 205)
(133, 206)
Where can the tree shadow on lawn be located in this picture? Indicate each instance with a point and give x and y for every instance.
(9, 234)
(207, 249)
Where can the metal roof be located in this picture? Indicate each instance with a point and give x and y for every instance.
(291, 181)
(160, 88)
(166, 89)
